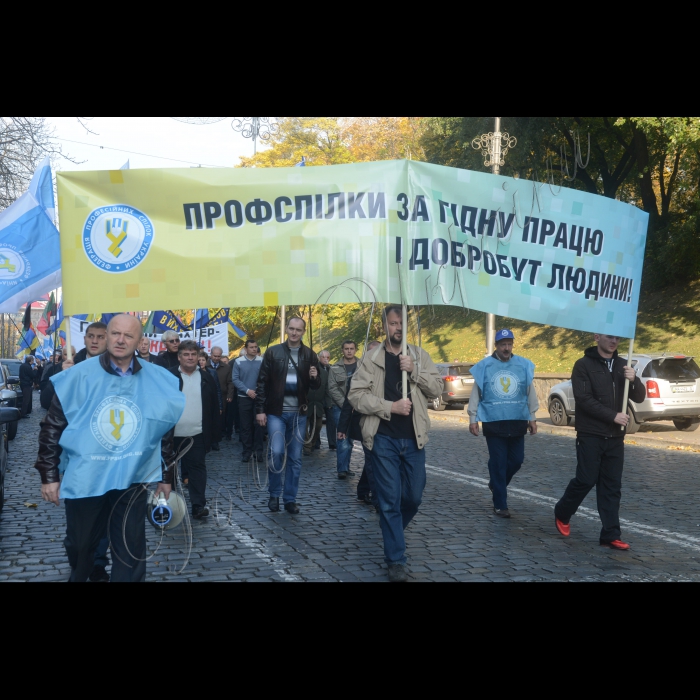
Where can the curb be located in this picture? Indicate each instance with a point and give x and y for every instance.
(639, 440)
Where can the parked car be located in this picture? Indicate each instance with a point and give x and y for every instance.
(12, 367)
(8, 398)
(459, 385)
(673, 393)
(7, 417)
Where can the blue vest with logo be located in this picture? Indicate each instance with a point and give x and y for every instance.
(504, 388)
(115, 427)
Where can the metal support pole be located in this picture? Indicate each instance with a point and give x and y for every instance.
(626, 394)
(404, 347)
(283, 324)
(496, 167)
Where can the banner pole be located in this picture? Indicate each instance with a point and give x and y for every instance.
(404, 347)
(194, 326)
(69, 341)
(626, 394)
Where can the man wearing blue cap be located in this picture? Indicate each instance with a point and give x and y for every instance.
(506, 403)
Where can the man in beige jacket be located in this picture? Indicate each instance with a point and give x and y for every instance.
(396, 431)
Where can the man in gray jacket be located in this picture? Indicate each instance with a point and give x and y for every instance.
(396, 431)
(338, 383)
(246, 370)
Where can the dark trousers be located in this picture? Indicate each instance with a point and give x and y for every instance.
(87, 519)
(229, 419)
(233, 419)
(251, 432)
(600, 464)
(367, 484)
(314, 421)
(194, 468)
(331, 428)
(27, 396)
(507, 455)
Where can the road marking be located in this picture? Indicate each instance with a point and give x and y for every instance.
(262, 553)
(674, 538)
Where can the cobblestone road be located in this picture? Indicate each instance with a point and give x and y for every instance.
(454, 538)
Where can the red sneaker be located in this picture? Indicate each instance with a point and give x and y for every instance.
(564, 530)
(617, 544)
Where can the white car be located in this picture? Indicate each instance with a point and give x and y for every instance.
(673, 393)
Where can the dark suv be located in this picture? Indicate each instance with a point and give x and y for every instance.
(459, 385)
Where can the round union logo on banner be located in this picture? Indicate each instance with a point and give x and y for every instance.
(116, 423)
(117, 239)
(14, 265)
(506, 385)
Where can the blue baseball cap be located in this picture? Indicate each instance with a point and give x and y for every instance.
(504, 335)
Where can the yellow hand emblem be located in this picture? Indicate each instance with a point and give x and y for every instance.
(7, 265)
(117, 432)
(505, 383)
(117, 238)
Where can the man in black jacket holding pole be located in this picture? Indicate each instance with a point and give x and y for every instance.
(599, 381)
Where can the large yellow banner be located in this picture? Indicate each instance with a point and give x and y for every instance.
(392, 231)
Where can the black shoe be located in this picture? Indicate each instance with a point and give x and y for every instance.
(260, 457)
(215, 447)
(368, 499)
(505, 514)
(199, 513)
(245, 459)
(333, 448)
(292, 508)
(99, 575)
(342, 476)
(274, 505)
(351, 474)
(397, 574)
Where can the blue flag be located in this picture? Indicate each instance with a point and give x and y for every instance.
(168, 321)
(236, 329)
(30, 252)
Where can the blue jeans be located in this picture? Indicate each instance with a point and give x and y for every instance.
(399, 477)
(286, 431)
(507, 457)
(345, 447)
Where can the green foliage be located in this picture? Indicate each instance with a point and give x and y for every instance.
(651, 162)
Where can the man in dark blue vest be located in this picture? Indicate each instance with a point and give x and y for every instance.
(506, 403)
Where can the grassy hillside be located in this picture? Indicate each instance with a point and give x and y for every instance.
(668, 321)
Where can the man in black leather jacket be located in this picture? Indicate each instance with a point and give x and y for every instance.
(87, 518)
(287, 374)
(599, 383)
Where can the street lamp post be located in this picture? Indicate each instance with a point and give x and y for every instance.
(256, 128)
(494, 147)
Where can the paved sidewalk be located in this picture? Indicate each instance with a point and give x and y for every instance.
(454, 538)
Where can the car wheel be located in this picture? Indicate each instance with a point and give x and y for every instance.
(557, 412)
(438, 405)
(686, 426)
(633, 427)
(12, 430)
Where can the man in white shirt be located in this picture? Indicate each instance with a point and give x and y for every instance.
(200, 422)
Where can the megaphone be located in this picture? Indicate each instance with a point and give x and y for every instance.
(162, 513)
(165, 514)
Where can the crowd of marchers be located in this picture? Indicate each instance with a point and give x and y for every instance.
(102, 457)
